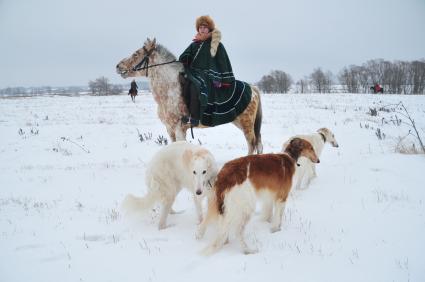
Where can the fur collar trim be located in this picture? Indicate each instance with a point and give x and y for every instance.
(215, 41)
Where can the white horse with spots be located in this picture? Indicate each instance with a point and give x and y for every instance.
(167, 92)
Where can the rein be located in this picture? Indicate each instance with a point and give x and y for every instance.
(144, 63)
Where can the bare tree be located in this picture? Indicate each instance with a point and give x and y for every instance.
(321, 82)
(416, 76)
(276, 82)
(266, 84)
(101, 86)
(349, 78)
(302, 86)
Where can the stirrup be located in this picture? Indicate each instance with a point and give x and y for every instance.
(189, 120)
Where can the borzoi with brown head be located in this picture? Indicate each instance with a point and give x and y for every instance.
(242, 181)
(177, 165)
(306, 170)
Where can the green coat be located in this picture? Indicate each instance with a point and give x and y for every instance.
(222, 98)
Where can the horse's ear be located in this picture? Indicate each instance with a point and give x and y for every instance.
(154, 41)
(148, 40)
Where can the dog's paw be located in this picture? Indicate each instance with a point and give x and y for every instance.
(172, 211)
(266, 218)
(275, 229)
(164, 226)
(200, 220)
(250, 251)
(199, 234)
(208, 250)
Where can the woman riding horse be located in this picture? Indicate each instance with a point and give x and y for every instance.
(207, 70)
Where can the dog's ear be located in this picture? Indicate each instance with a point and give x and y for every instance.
(297, 143)
(187, 158)
(323, 130)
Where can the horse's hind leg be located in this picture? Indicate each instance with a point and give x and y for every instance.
(250, 139)
(246, 124)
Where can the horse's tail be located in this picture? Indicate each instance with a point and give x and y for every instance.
(257, 123)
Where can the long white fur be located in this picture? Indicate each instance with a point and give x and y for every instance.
(306, 170)
(175, 166)
(240, 203)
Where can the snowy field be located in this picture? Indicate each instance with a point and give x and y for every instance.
(66, 163)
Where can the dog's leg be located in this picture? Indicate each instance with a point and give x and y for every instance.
(267, 209)
(198, 206)
(309, 174)
(167, 203)
(299, 177)
(240, 234)
(313, 167)
(211, 214)
(222, 237)
(277, 219)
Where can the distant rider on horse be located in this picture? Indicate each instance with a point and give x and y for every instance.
(133, 90)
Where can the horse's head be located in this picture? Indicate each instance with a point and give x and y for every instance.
(130, 66)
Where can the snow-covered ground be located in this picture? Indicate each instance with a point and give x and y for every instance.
(66, 163)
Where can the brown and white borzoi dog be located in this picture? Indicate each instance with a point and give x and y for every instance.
(306, 170)
(177, 165)
(241, 181)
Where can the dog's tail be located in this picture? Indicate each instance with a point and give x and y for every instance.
(132, 203)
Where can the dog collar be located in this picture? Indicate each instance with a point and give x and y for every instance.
(323, 137)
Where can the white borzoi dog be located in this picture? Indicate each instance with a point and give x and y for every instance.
(306, 170)
(242, 181)
(175, 166)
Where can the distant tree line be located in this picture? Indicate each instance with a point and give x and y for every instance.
(42, 90)
(398, 77)
(101, 86)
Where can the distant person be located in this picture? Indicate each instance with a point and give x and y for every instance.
(377, 88)
(133, 90)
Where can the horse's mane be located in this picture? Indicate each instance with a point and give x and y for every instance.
(167, 55)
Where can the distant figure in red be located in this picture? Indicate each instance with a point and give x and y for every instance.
(133, 90)
(377, 88)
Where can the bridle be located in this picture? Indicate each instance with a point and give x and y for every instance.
(144, 63)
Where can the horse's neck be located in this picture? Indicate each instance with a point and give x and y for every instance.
(166, 89)
(164, 81)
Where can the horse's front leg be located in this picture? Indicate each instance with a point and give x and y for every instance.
(171, 133)
(180, 132)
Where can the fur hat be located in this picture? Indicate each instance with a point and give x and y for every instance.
(205, 20)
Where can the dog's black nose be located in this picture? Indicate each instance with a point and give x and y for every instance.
(198, 192)
(318, 161)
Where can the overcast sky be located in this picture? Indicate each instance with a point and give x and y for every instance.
(69, 42)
